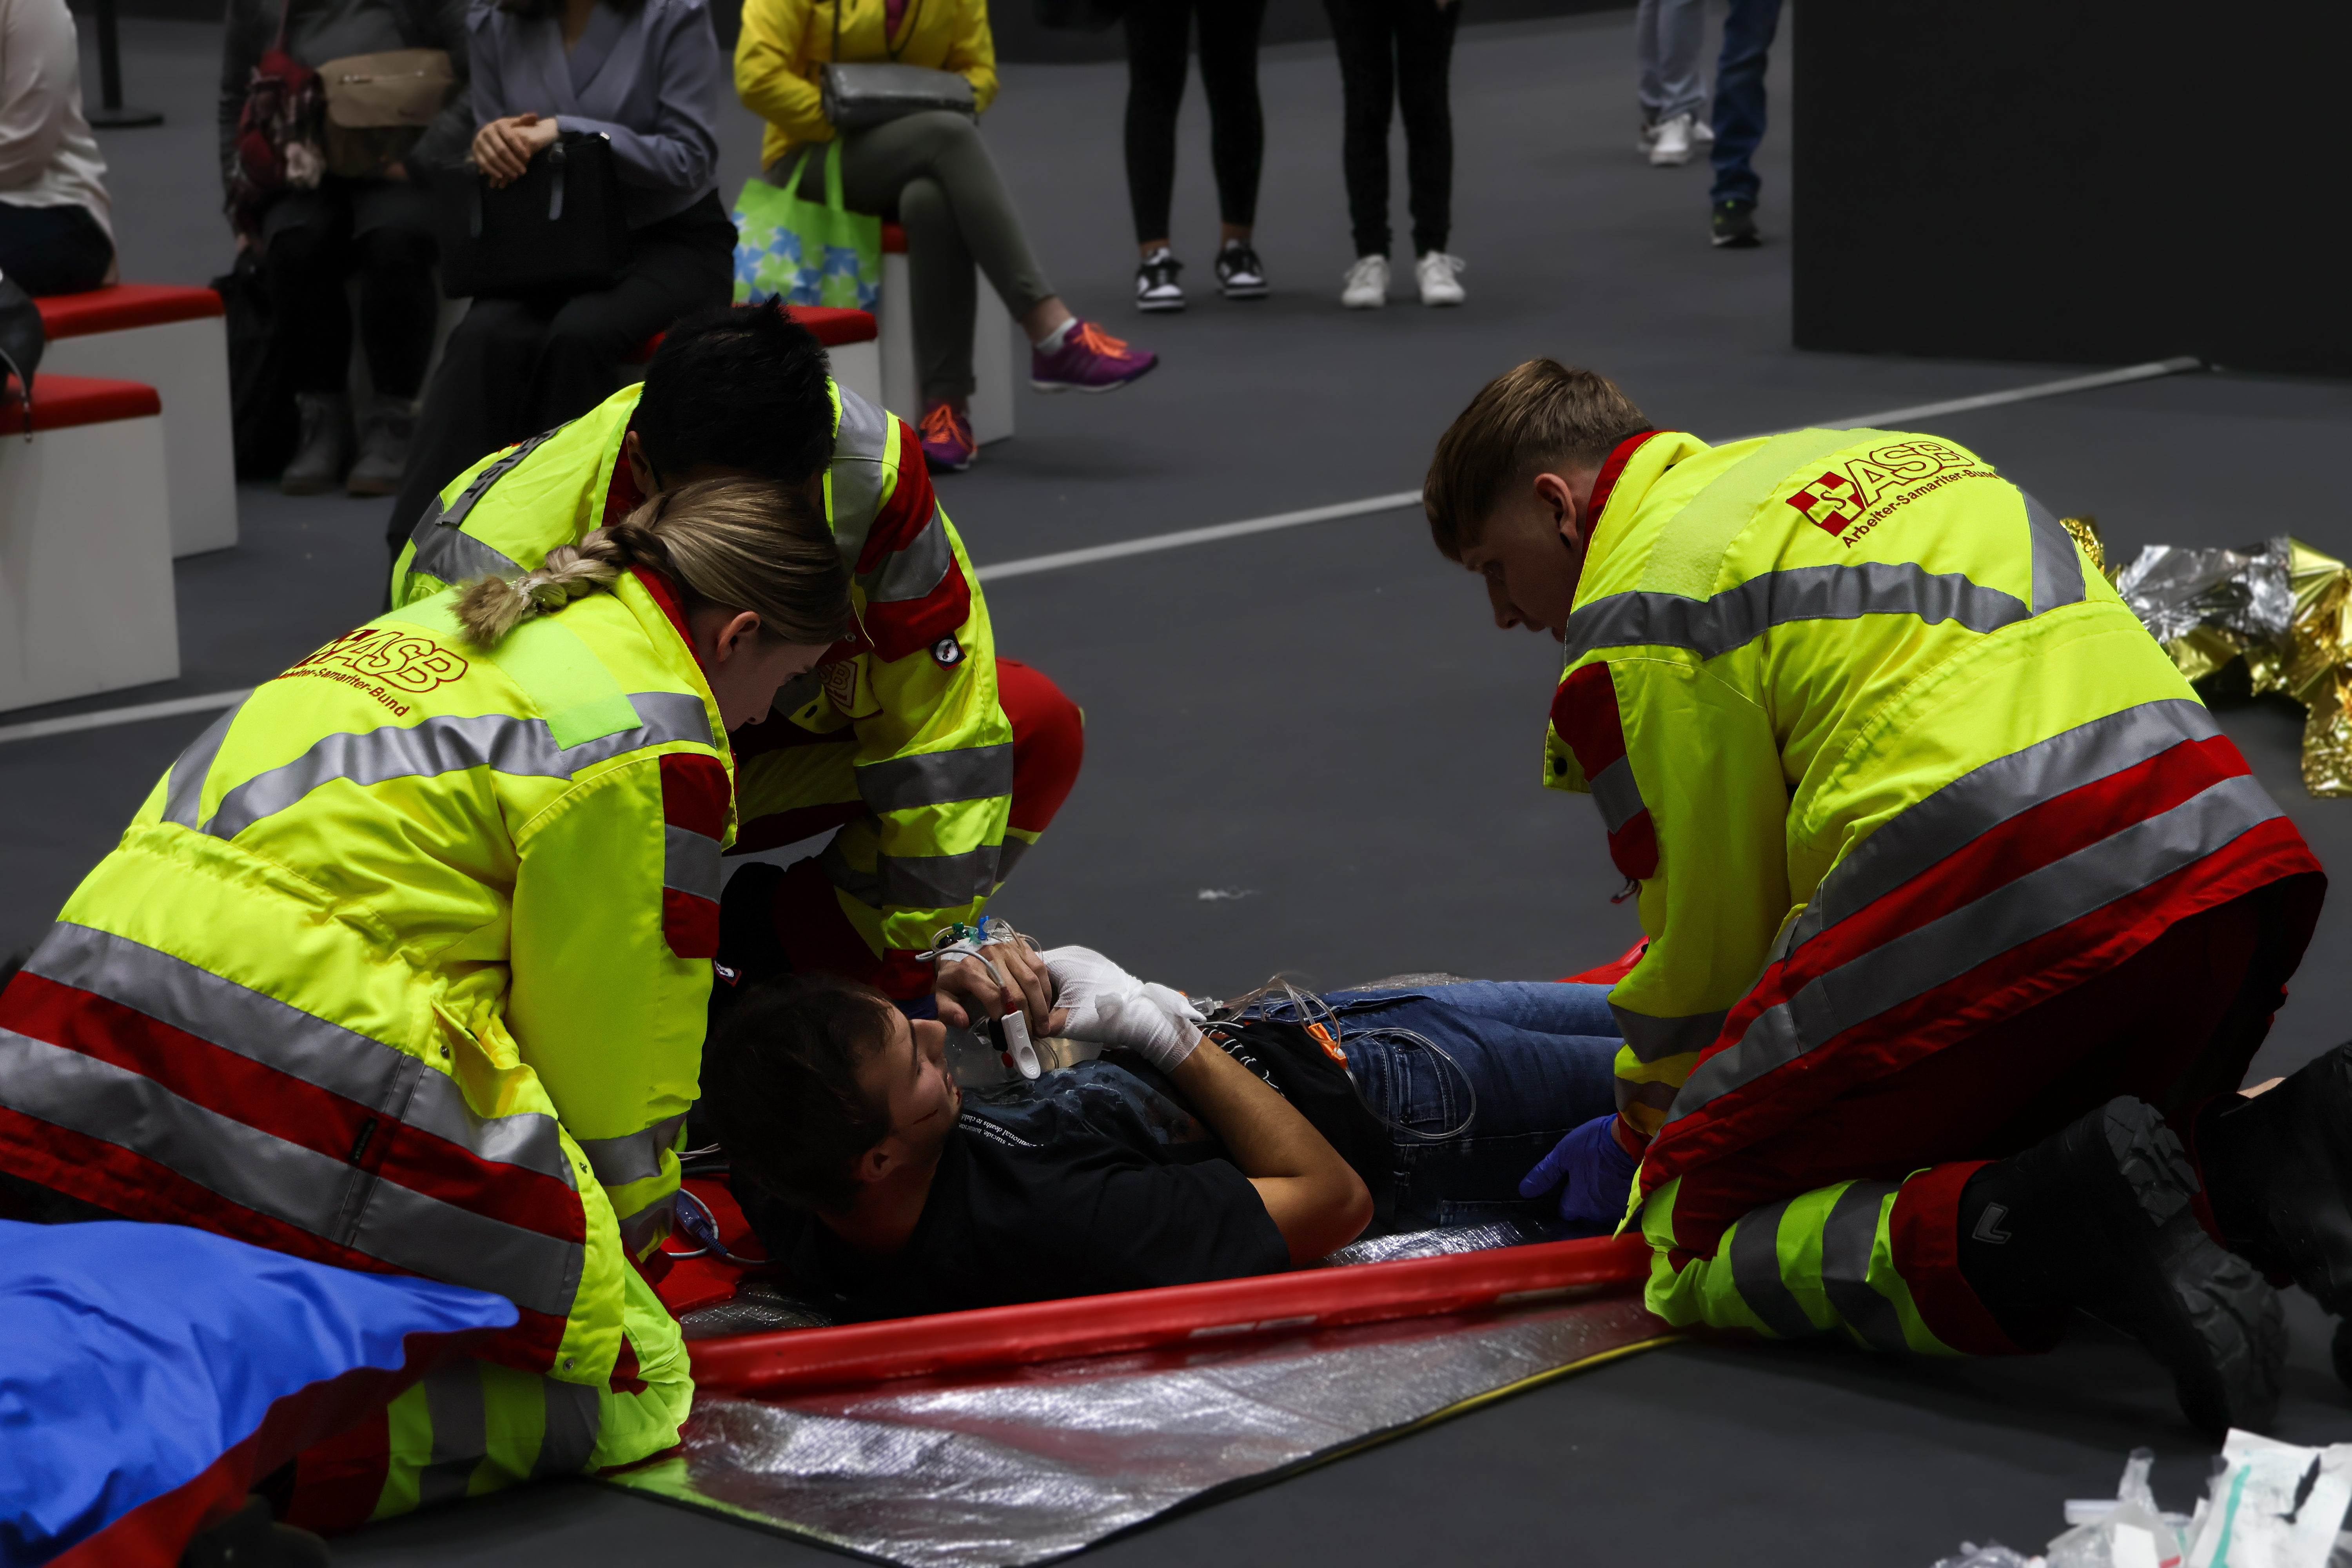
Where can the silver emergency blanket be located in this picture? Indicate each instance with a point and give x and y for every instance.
(2174, 591)
(1031, 1464)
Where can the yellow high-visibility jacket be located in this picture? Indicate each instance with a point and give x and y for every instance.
(1887, 759)
(780, 55)
(404, 966)
(916, 682)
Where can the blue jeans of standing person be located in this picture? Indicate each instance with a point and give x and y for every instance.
(1529, 1060)
(1667, 36)
(1747, 32)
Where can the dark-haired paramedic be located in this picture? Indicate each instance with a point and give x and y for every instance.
(934, 762)
(1965, 917)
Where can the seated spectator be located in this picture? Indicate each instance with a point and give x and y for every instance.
(933, 174)
(379, 229)
(54, 237)
(861, 1164)
(644, 73)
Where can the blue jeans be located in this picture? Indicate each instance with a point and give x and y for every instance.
(1747, 32)
(1538, 1056)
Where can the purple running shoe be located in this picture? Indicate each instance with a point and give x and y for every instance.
(1089, 360)
(948, 445)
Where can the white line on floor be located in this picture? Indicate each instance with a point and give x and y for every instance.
(1030, 565)
(1398, 501)
(107, 717)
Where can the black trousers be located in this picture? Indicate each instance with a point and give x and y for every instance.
(514, 367)
(1400, 50)
(313, 240)
(53, 250)
(1157, 60)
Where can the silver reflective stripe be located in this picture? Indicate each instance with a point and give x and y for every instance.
(1755, 1250)
(938, 881)
(1848, 1237)
(635, 1156)
(914, 881)
(569, 1440)
(302, 1045)
(450, 743)
(452, 556)
(1739, 614)
(935, 778)
(1616, 793)
(642, 1228)
(453, 1403)
(914, 569)
(1960, 813)
(311, 1191)
(1656, 1039)
(1947, 947)
(860, 444)
(453, 516)
(2057, 567)
(1009, 856)
(183, 799)
(690, 863)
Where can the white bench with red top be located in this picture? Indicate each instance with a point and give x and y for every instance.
(173, 339)
(991, 349)
(85, 542)
(848, 337)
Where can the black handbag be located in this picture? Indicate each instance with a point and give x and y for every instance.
(558, 228)
(265, 423)
(22, 339)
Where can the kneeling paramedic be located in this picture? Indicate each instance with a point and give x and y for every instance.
(938, 763)
(392, 971)
(1965, 917)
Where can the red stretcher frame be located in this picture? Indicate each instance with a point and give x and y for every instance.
(793, 1360)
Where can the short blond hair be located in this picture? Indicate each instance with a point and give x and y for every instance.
(1542, 415)
(744, 543)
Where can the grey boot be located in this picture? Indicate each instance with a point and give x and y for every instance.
(317, 464)
(384, 430)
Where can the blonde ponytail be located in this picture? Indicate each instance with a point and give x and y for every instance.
(743, 544)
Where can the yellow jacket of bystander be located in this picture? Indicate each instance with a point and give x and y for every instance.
(786, 45)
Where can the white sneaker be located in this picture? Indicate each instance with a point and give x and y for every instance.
(1649, 136)
(1435, 274)
(1702, 133)
(1367, 288)
(1672, 147)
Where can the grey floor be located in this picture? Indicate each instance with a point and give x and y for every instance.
(1321, 719)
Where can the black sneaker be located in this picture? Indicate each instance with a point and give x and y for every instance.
(1240, 274)
(2102, 1216)
(1156, 288)
(1735, 226)
(2280, 1166)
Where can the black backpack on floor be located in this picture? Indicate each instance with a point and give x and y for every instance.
(263, 420)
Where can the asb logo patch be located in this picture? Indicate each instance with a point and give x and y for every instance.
(384, 664)
(1862, 492)
(946, 651)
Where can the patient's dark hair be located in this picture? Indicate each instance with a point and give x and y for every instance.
(781, 1080)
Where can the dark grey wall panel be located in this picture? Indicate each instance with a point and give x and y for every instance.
(2090, 180)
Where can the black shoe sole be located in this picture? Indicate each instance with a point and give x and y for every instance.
(1259, 292)
(2208, 1315)
(1738, 241)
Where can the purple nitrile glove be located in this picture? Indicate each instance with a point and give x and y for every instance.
(1594, 1171)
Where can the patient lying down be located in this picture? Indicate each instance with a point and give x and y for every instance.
(1193, 1149)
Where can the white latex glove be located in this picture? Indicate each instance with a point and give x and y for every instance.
(1111, 1007)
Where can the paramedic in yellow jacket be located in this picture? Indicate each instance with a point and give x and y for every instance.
(938, 763)
(404, 966)
(1965, 919)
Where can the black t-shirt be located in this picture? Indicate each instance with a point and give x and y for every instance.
(1085, 1181)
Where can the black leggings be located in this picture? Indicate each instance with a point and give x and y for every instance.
(312, 248)
(1401, 50)
(1157, 48)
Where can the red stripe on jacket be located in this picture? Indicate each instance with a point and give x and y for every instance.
(1584, 711)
